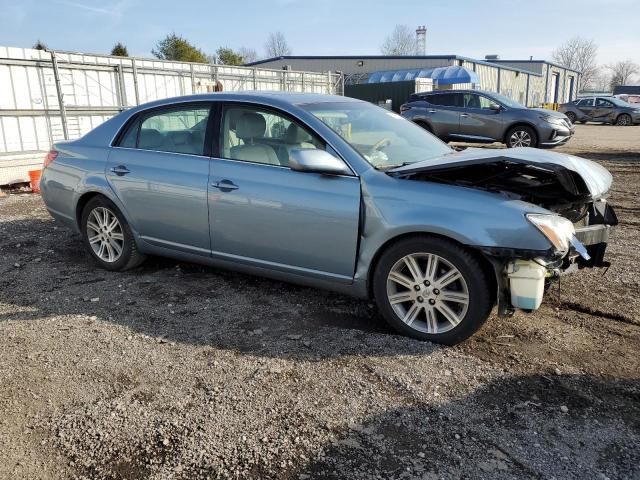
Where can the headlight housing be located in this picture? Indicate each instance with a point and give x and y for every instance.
(557, 229)
(552, 120)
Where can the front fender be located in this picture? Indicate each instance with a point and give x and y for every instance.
(396, 207)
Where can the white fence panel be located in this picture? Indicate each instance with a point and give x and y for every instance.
(95, 87)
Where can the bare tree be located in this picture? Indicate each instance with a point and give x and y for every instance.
(248, 54)
(402, 41)
(579, 54)
(277, 45)
(622, 72)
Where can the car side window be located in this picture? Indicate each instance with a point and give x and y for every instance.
(447, 99)
(587, 102)
(259, 135)
(600, 102)
(473, 100)
(174, 130)
(130, 138)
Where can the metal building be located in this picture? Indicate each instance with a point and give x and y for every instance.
(531, 82)
(48, 96)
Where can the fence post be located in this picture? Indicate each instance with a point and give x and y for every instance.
(63, 113)
(135, 80)
(193, 80)
(255, 84)
(122, 91)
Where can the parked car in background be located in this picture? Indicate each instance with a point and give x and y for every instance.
(485, 117)
(610, 110)
(335, 193)
(629, 98)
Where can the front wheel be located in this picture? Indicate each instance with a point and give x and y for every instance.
(571, 116)
(107, 236)
(623, 120)
(432, 289)
(522, 136)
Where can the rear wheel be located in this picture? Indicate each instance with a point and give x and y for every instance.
(522, 136)
(107, 236)
(571, 116)
(623, 120)
(432, 289)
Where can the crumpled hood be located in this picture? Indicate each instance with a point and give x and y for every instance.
(597, 178)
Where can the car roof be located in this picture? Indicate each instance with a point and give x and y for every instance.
(465, 90)
(268, 97)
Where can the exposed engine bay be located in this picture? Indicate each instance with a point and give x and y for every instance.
(571, 187)
(550, 186)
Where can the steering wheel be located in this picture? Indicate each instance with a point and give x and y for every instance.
(385, 142)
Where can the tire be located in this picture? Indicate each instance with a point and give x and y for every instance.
(624, 120)
(571, 116)
(428, 315)
(525, 134)
(95, 226)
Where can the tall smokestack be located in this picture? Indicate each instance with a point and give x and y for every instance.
(421, 40)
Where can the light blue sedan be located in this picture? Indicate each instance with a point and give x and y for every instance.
(334, 193)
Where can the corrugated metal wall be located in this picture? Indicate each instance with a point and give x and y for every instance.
(357, 65)
(94, 88)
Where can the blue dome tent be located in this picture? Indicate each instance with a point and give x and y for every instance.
(450, 75)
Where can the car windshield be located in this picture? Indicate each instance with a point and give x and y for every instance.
(506, 101)
(384, 139)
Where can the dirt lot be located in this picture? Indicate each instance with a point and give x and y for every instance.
(181, 371)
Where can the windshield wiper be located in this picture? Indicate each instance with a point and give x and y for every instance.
(395, 165)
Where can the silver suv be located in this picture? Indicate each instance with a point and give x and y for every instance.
(486, 117)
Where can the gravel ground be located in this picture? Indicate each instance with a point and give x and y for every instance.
(176, 371)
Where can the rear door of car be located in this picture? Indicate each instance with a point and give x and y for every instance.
(479, 121)
(586, 107)
(443, 111)
(603, 111)
(158, 168)
(264, 214)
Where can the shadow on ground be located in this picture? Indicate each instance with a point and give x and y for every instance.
(183, 302)
(521, 427)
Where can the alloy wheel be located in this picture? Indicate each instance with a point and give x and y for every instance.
(623, 120)
(520, 138)
(105, 234)
(427, 292)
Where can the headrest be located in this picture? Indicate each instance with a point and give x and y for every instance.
(150, 138)
(296, 134)
(250, 125)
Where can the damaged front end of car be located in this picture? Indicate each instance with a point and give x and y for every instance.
(573, 190)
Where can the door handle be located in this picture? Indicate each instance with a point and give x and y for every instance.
(464, 115)
(120, 170)
(225, 185)
(432, 111)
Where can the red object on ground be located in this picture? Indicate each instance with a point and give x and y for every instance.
(34, 176)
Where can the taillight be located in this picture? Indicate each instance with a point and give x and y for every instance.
(51, 156)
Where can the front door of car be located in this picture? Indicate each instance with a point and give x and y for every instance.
(479, 121)
(264, 214)
(443, 111)
(159, 169)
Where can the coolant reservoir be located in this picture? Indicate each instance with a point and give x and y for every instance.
(526, 283)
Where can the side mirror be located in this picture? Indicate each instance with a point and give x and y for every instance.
(495, 107)
(316, 161)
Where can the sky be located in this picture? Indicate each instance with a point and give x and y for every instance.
(509, 28)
